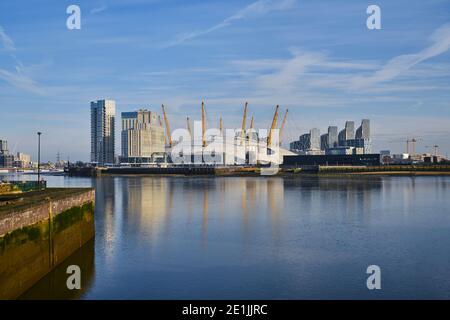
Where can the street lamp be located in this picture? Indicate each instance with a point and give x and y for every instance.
(39, 160)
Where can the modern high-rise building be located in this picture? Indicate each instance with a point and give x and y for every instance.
(3, 147)
(332, 137)
(329, 139)
(6, 159)
(363, 132)
(350, 129)
(22, 160)
(103, 115)
(307, 142)
(347, 133)
(142, 137)
(315, 139)
(324, 141)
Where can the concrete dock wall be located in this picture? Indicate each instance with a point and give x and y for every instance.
(37, 237)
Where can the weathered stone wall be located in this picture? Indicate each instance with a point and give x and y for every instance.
(17, 219)
(36, 239)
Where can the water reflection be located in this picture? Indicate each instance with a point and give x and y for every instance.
(53, 286)
(148, 205)
(268, 238)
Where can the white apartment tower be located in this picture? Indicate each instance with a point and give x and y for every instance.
(142, 136)
(103, 115)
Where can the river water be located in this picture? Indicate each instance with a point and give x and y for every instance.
(261, 238)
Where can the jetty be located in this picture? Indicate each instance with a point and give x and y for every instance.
(39, 229)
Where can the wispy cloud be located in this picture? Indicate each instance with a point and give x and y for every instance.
(309, 71)
(305, 71)
(258, 8)
(396, 66)
(6, 41)
(99, 9)
(19, 78)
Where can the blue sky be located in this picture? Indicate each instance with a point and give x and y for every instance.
(316, 58)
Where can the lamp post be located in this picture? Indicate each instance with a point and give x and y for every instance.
(39, 160)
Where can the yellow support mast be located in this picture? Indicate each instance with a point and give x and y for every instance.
(203, 125)
(161, 125)
(188, 121)
(274, 125)
(221, 125)
(169, 135)
(244, 124)
(283, 125)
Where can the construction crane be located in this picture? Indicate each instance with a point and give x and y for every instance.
(244, 124)
(274, 125)
(410, 144)
(169, 135)
(203, 125)
(283, 125)
(435, 147)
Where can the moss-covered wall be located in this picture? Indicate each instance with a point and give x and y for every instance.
(30, 252)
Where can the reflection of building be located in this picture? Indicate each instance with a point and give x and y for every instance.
(105, 203)
(142, 137)
(103, 113)
(148, 201)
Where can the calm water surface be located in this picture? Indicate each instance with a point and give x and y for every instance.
(261, 238)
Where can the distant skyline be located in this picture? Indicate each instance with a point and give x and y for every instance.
(316, 58)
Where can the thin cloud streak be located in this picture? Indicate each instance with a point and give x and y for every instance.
(258, 8)
(19, 78)
(6, 41)
(399, 65)
(99, 9)
(21, 81)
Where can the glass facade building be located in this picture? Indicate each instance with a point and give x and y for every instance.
(103, 115)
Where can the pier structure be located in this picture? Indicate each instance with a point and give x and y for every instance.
(38, 231)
